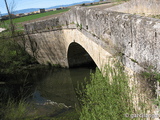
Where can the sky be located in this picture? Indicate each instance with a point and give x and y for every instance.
(24, 4)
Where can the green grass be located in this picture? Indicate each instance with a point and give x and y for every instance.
(14, 110)
(31, 17)
(106, 98)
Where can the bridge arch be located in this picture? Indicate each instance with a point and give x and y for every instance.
(78, 56)
(74, 40)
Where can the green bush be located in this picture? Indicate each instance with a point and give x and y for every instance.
(83, 4)
(106, 98)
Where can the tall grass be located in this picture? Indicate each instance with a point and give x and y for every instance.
(107, 98)
(13, 110)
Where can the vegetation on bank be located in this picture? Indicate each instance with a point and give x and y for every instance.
(14, 57)
(13, 110)
(107, 98)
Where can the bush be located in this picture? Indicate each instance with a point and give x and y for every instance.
(83, 4)
(106, 98)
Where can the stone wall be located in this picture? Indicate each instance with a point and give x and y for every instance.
(135, 39)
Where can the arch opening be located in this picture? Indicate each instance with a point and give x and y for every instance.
(79, 57)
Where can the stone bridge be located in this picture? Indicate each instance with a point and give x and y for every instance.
(83, 35)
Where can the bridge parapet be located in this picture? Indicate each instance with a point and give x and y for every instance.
(135, 39)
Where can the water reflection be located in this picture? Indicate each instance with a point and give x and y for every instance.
(59, 85)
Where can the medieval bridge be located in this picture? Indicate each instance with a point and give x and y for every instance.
(83, 34)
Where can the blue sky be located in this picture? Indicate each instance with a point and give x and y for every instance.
(23, 4)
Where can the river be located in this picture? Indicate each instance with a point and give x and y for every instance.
(46, 86)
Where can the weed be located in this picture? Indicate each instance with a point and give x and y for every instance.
(80, 27)
(15, 110)
(93, 34)
(72, 23)
(77, 25)
(134, 60)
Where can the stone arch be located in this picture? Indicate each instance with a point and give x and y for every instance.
(78, 56)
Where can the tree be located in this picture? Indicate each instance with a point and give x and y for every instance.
(83, 4)
(10, 18)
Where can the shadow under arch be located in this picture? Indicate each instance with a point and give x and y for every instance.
(79, 57)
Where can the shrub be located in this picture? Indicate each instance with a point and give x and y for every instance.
(83, 4)
(106, 98)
